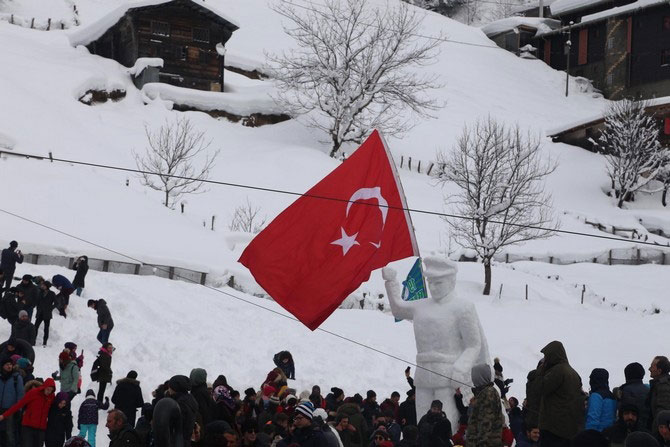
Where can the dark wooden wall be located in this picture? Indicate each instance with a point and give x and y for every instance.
(650, 37)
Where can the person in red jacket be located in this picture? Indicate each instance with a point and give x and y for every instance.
(36, 404)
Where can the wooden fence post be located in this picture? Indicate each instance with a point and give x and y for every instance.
(418, 167)
(507, 258)
(639, 259)
(430, 168)
(49, 24)
(203, 278)
(11, 19)
(500, 292)
(583, 290)
(402, 160)
(551, 259)
(32, 23)
(526, 292)
(409, 163)
(171, 273)
(105, 266)
(137, 269)
(609, 257)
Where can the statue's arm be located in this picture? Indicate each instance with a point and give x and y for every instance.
(401, 309)
(470, 333)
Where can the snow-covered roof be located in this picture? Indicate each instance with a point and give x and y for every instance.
(510, 23)
(639, 4)
(599, 117)
(560, 7)
(531, 5)
(87, 34)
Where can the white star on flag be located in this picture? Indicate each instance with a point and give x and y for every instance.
(346, 241)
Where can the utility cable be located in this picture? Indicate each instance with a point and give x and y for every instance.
(334, 199)
(289, 317)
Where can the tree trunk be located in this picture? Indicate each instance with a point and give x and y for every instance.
(487, 276)
(167, 199)
(336, 146)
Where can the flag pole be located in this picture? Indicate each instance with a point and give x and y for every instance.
(403, 199)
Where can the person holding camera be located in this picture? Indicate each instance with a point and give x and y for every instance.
(8, 260)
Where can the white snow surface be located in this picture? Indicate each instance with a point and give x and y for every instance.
(511, 23)
(142, 63)
(631, 7)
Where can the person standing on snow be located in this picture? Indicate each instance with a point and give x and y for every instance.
(81, 266)
(36, 404)
(127, 396)
(23, 329)
(101, 371)
(8, 260)
(105, 321)
(11, 391)
(46, 303)
(485, 424)
(87, 420)
(601, 406)
(30, 293)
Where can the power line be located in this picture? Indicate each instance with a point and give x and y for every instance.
(289, 317)
(440, 39)
(334, 199)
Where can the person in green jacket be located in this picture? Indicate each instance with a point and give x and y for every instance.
(68, 375)
(352, 410)
(562, 405)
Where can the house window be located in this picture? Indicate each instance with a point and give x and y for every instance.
(201, 35)
(203, 56)
(666, 23)
(181, 53)
(665, 58)
(160, 28)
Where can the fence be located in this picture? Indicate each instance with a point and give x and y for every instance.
(42, 24)
(128, 268)
(418, 165)
(615, 256)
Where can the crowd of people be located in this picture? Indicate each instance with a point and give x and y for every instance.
(191, 411)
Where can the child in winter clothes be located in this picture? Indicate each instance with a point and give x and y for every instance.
(59, 423)
(36, 404)
(87, 421)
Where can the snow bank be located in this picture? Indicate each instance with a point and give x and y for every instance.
(511, 23)
(241, 104)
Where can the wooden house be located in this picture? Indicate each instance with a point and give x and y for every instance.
(624, 50)
(188, 35)
(515, 33)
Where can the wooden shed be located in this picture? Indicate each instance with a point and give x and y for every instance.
(188, 35)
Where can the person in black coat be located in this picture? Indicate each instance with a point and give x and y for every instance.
(284, 361)
(46, 303)
(178, 389)
(8, 260)
(81, 266)
(30, 293)
(23, 329)
(59, 422)
(9, 306)
(105, 321)
(199, 391)
(127, 396)
(407, 410)
(102, 372)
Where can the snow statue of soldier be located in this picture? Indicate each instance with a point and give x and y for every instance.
(449, 336)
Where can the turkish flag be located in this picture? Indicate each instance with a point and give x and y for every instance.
(323, 246)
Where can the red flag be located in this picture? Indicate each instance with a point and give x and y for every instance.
(318, 251)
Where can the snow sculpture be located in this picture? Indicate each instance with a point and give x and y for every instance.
(449, 336)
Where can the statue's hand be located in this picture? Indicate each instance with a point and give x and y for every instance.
(389, 274)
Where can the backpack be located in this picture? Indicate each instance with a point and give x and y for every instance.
(95, 373)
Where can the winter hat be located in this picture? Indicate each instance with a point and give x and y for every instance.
(63, 395)
(437, 404)
(269, 390)
(337, 392)
(49, 383)
(180, 384)
(222, 394)
(15, 358)
(304, 396)
(27, 277)
(90, 393)
(663, 418)
(481, 375)
(411, 392)
(497, 366)
(633, 371)
(198, 376)
(640, 439)
(250, 392)
(48, 285)
(370, 394)
(306, 409)
(590, 438)
(6, 360)
(64, 357)
(13, 244)
(76, 441)
(23, 313)
(23, 363)
(132, 375)
(274, 400)
(71, 346)
(321, 413)
(288, 399)
(90, 303)
(629, 407)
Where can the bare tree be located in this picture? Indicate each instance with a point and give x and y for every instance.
(502, 9)
(500, 177)
(168, 164)
(633, 151)
(355, 68)
(246, 218)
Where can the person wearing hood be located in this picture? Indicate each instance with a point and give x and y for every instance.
(81, 266)
(531, 410)
(334, 399)
(352, 410)
(284, 361)
(59, 422)
(562, 406)
(11, 391)
(485, 424)
(35, 404)
(634, 392)
(178, 389)
(202, 395)
(627, 423)
(435, 427)
(8, 260)
(30, 292)
(102, 369)
(105, 321)
(87, 419)
(23, 329)
(601, 405)
(68, 375)
(46, 303)
(127, 396)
